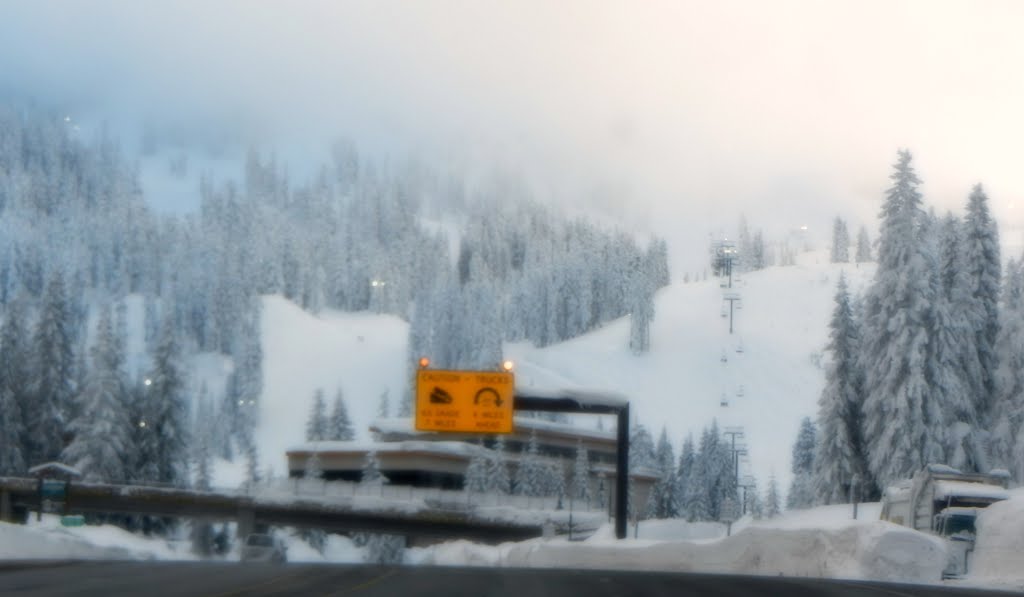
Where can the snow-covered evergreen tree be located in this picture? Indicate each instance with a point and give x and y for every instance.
(531, 473)
(102, 440)
(984, 268)
(167, 411)
(840, 242)
(641, 296)
(317, 426)
(684, 478)
(1008, 415)
(839, 455)
(752, 502)
(340, 425)
(13, 373)
(52, 385)
(663, 496)
(863, 246)
(252, 464)
(371, 474)
(900, 421)
(953, 355)
(384, 405)
(313, 468)
(801, 491)
(476, 473)
(498, 479)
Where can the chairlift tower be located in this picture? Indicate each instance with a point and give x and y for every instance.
(736, 432)
(732, 298)
(726, 254)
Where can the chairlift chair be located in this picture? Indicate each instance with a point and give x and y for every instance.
(725, 401)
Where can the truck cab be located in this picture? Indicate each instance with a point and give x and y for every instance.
(944, 501)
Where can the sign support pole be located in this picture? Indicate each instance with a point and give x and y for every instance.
(580, 404)
(622, 474)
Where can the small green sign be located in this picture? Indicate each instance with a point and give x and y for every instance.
(54, 490)
(73, 520)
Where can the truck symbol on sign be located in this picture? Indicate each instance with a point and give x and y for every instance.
(439, 396)
(488, 395)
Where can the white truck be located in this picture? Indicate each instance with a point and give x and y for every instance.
(944, 501)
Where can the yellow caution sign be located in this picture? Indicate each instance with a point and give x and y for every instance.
(464, 401)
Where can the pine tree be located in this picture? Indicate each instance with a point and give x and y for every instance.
(313, 468)
(317, 424)
(530, 474)
(752, 502)
(1007, 444)
(663, 494)
(101, 430)
(684, 478)
(953, 355)
(12, 393)
(371, 474)
(801, 491)
(167, 416)
(840, 242)
(702, 479)
(984, 267)
(863, 246)
(899, 419)
(839, 455)
(252, 463)
(52, 386)
(641, 311)
(497, 471)
(384, 406)
(476, 473)
(339, 425)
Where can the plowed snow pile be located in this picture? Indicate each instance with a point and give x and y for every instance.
(874, 550)
(999, 553)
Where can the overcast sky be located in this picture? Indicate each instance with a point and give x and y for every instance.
(679, 115)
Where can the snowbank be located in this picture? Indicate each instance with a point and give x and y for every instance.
(996, 561)
(48, 540)
(871, 550)
(820, 543)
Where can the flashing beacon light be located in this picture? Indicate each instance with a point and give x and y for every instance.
(507, 365)
(424, 362)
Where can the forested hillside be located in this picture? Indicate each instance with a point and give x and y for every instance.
(77, 237)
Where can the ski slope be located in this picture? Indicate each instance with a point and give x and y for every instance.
(782, 327)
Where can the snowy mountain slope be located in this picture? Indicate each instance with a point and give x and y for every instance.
(363, 354)
(782, 326)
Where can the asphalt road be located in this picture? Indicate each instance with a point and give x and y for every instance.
(161, 579)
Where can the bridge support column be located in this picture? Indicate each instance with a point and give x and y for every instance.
(6, 514)
(246, 523)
